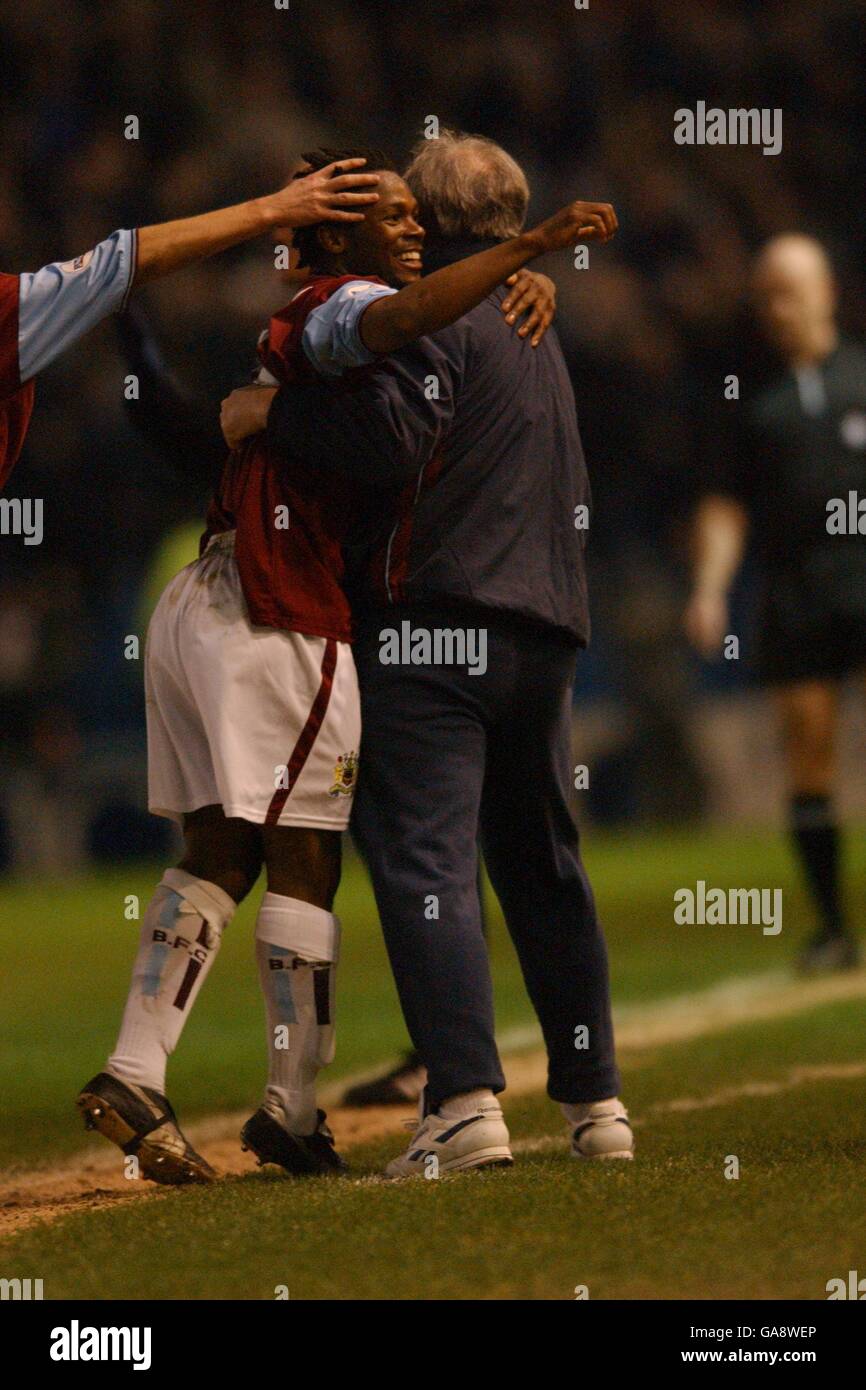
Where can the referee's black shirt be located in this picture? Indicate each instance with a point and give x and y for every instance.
(803, 443)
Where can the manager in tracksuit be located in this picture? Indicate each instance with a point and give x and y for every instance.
(482, 559)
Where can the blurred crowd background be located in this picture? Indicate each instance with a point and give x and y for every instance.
(227, 96)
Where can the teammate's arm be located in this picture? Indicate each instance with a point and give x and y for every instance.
(718, 541)
(314, 198)
(391, 321)
(62, 301)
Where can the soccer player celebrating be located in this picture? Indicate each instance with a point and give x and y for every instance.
(252, 697)
(803, 445)
(44, 312)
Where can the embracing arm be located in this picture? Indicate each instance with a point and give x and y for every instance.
(402, 426)
(312, 419)
(338, 433)
(312, 414)
(384, 430)
(392, 321)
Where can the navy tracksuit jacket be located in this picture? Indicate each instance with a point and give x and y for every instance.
(472, 436)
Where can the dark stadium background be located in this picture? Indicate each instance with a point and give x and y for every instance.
(227, 95)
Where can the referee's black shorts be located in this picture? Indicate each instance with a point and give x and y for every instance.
(811, 632)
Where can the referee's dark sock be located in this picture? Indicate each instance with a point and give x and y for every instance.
(816, 835)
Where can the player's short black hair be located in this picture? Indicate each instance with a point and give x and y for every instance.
(304, 238)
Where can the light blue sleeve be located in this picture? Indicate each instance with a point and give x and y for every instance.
(331, 339)
(60, 302)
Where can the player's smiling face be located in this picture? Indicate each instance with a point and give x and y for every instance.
(389, 241)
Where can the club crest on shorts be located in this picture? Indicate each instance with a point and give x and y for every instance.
(345, 772)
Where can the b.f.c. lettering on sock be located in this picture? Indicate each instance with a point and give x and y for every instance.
(198, 951)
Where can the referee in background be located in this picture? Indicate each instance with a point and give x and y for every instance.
(800, 457)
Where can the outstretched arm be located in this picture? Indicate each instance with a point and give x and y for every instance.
(392, 321)
(60, 302)
(317, 197)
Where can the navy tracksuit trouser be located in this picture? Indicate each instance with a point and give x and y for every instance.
(445, 753)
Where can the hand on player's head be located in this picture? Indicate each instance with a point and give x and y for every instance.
(337, 193)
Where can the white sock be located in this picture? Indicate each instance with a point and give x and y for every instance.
(297, 946)
(577, 1113)
(458, 1107)
(180, 936)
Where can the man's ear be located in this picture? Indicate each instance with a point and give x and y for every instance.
(332, 239)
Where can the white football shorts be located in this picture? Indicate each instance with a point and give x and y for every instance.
(265, 723)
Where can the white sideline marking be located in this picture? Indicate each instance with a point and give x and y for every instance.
(776, 994)
(676, 1019)
(680, 1017)
(732, 1003)
(749, 1090)
(752, 1090)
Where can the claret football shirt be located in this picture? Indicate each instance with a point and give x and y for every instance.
(291, 520)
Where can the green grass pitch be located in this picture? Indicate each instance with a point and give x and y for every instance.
(783, 1097)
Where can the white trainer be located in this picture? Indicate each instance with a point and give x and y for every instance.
(445, 1144)
(600, 1130)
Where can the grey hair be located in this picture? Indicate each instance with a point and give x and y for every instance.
(468, 186)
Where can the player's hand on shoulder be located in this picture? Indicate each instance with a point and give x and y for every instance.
(337, 193)
(245, 412)
(532, 297)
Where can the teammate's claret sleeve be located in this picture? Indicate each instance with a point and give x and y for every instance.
(60, 302)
